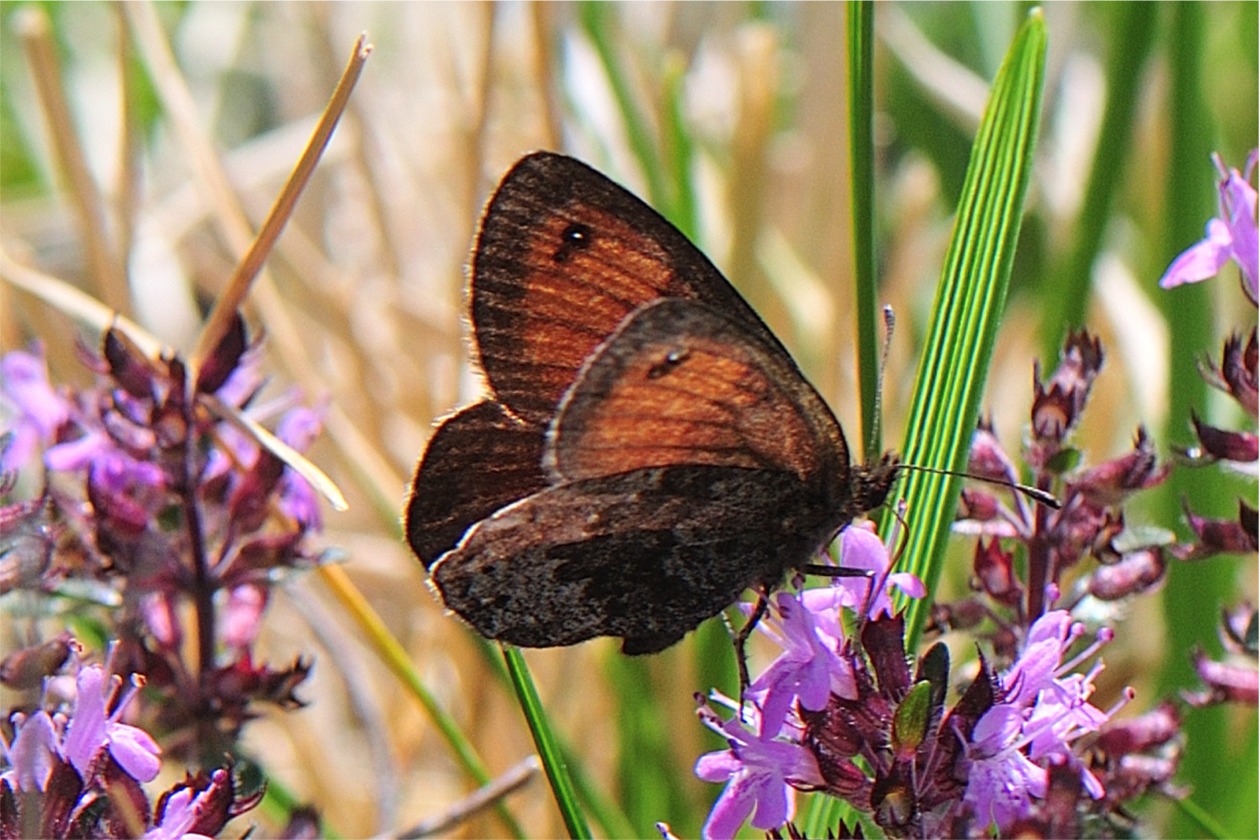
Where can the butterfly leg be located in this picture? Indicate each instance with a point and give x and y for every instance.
(741, 640)
(823, 570)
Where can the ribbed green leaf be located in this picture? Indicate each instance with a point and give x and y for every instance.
(968, 308)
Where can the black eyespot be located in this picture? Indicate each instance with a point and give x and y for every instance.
(575, 237)
(666, 365)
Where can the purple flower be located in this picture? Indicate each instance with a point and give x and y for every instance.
(244, 381)
(809, 669)
(299, 501)
(1048, 639)
(760, 771)
(242, 615)
(1060, 717)
(94, 730)
(1039, 680)
(298, 428)
(862, 550)
(1001, 780)
(158, 612)
(126, 494)
(79, 453)
(1232, 235)
(36, 745)
(38, 410)
(181, 811)
(1043, 710)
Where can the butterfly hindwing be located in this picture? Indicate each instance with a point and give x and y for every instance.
(478, 460)
(645, 556)
(680, 383)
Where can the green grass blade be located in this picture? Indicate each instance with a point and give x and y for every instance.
(606, 813)
(647, 760)
(1066, 304)
(391, 651)
(860, 28)
(597, 23)
(549, 752)
(825, 812)
(1219, 744)
(680, 148)
(595, 802)
(1206, 825)
(969, 303)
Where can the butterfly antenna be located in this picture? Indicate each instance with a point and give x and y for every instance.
(872, 443)
(872, 446)
(1038, 495)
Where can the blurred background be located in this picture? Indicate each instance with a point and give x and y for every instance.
(730, 118)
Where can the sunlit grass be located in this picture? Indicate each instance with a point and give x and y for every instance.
(732, 120)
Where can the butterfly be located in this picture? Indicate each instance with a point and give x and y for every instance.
(648, 449)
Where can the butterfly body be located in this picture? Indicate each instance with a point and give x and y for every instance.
(649, 449)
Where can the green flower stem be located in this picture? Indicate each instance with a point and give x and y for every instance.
(549, 753)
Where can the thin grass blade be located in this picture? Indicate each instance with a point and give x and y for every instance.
(860, 29)
(549, 752)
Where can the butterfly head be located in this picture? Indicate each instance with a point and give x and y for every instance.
(871, 483)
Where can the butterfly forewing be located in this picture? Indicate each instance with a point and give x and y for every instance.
(563, 256)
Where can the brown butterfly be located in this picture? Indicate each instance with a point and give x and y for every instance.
(648, 449)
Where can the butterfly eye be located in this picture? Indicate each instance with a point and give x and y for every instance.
(575, 237)
(665, 366)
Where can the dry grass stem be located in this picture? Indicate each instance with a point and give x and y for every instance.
(300, 464)
(513, 780)
(77, 304)
(103, 260)
(227, 303)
